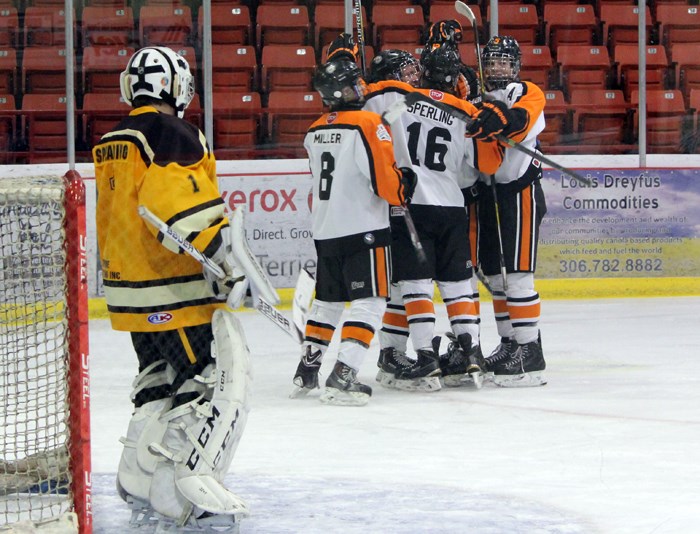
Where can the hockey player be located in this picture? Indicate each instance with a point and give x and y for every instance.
(191, 393)
(355, 181)
(433, 143)
(394, 64)
(514, 109)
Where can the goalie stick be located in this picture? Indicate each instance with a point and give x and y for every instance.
(263, 304)
(409, 99)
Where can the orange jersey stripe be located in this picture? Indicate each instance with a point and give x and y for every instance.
(525, 259)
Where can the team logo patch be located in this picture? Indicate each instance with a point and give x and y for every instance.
(436, 95)
(357, 285)
(368, 238)
(331, 117)
(537, 163)
(159, 318)
(383, 134)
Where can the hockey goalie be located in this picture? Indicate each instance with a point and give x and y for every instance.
(191, 394)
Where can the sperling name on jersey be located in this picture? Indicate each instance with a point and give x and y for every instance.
(431, 112)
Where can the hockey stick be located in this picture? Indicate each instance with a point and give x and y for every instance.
(360, 35)
(390, 117)
(413, 97)
(464, 10)
(262, 305)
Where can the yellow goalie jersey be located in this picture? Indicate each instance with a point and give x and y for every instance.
(163, 163)
(351, 157)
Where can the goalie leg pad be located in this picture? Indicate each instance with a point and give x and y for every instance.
(203, 435)
(246, 260)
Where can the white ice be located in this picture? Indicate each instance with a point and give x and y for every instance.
(610, 445)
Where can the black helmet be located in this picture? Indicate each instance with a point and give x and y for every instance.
(441, 69)
(340, 83)
(394, 65)
(498, 73)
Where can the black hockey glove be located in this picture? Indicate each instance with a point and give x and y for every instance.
(408, 182)
(342, 47)
(490, 121)
(445, 31)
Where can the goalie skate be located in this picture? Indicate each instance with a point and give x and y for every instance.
(206, 523)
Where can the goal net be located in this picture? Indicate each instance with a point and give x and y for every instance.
(44, 380)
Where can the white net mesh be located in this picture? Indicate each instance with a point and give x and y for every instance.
(34, 474)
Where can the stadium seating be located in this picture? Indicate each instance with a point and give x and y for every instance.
(568, 24)
(288, 117)
(44, 127)
(9, 27)
(557, 117)
(583, 66)
(329, 23)
(100, 113)
(666, 120)
(44, 70)
(234, 68)
(601, 119)
(282, 24)
(678, 23)
(102, 66)
(520, 21)
(107, 26)
(8, 71)
(536, 65)
(230, 25)
(685, 58)
(626, 58)
(287, 68)
(7, 127)
(620, 23)
(237, 123)
(397, 24)
(45, 26)
(165, 25)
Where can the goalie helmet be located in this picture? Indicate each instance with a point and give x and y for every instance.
(501, 62)
(441, 69)
(394, 65)
(340, 84)
(158, 73)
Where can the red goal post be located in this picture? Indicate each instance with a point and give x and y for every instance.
(45, 477)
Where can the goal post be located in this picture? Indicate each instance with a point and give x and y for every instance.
(45, 477)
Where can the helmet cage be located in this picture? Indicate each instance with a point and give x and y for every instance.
(159, 73)
(395, 65)
(441, 69)
(500, 62)
(339, 82)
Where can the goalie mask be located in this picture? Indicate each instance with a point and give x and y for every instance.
(158, 73)
(394, 65)
(501, 62)
(340, 84)
(441, 69)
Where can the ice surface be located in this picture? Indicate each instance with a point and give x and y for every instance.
(608, 446)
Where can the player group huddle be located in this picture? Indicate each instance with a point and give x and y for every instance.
(416, 183)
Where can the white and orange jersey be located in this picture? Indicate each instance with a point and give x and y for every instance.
(529, 97)
(432, 142)
(351, 158)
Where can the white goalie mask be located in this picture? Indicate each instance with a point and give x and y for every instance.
(159, 73)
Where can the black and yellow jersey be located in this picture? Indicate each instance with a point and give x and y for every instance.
(164, 163)
(351, 158)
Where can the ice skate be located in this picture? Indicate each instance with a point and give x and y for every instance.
(306, 376)
(524, 369)
(462, 363)
(390, 362)
(343, 388)
(504, 351)
(422, 375)
(201, 522)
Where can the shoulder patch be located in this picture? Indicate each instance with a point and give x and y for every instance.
(330, 119)
(436, 95)
(382, 133)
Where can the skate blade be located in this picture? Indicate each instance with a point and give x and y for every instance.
(454, 381)
(525, 380)
(477, 378)
(386, 380)
(336, 397)
(424, 384)
(300, 392)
